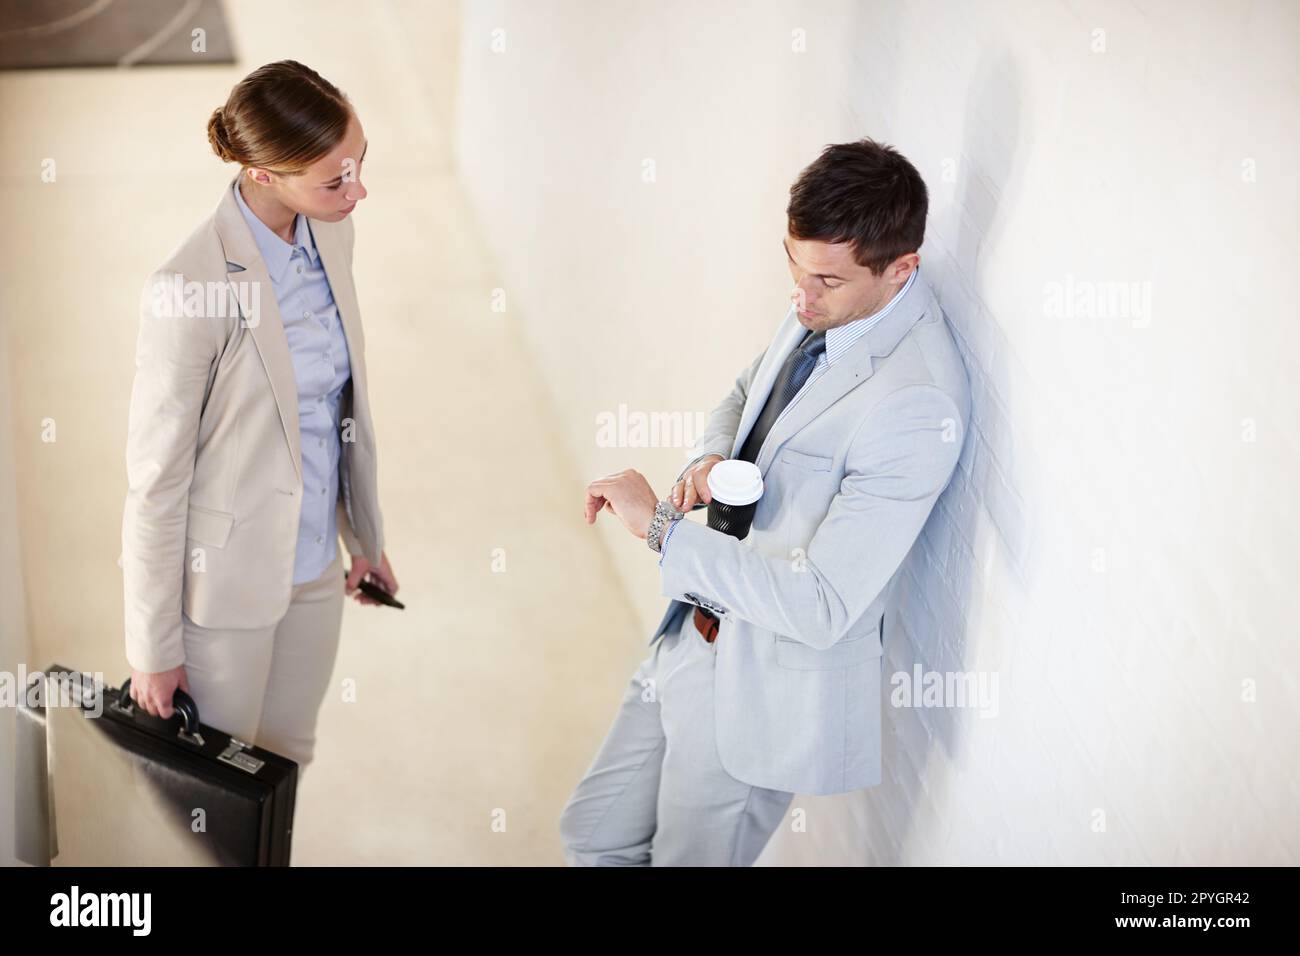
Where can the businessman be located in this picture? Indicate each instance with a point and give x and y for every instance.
(767, 680)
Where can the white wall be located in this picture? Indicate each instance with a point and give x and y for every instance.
(1118, 545)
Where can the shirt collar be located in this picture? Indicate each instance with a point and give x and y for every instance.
(840, 338)
(276, 253)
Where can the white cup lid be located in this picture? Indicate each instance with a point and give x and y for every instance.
(736, 482)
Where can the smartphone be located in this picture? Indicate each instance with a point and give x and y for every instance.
(371, 590)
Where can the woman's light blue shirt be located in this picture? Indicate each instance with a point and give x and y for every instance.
(320, 364)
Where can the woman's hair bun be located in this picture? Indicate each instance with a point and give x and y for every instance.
(283, 117)
(219, 137)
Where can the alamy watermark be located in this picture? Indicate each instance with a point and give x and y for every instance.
(130, 910)
(40, 689)
(171, 297)
(637, 429)
(1093, 299)
(973, 689)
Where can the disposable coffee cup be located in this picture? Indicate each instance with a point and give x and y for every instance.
(736, 485)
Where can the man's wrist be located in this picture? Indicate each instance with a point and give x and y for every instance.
(665, 512)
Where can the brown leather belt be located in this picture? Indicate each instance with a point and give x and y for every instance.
(706, 624)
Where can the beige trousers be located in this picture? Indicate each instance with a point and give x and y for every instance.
(266, 685)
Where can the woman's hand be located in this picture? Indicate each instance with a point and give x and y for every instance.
(381, 574)
(152, 693)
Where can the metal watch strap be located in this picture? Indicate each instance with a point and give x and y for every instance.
(664, 513)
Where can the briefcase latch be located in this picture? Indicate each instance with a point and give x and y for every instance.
(235, 755)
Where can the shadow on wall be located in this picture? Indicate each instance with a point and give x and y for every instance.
(940, 584)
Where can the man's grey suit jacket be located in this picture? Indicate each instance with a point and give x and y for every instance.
(851, 471)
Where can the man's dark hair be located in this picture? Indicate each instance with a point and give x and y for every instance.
(866, 193)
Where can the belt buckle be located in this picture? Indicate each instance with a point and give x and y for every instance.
(706, 624)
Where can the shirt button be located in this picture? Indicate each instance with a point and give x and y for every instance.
(321, 442)
(323, 490)
(306, 315)
(300, 270)
(320, 539)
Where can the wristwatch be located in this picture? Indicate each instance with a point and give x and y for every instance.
(664, 513)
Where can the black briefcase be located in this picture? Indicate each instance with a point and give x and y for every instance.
(99, 782)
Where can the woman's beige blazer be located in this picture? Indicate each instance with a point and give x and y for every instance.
(214, 470)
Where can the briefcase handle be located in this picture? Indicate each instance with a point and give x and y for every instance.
(182, 703)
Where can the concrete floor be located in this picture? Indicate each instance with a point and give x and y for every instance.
(483, 701)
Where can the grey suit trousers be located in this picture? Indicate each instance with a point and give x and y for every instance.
(266, 685)
(656, 793)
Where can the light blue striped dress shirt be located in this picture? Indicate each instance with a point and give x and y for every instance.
(322, 369)
(838, 341)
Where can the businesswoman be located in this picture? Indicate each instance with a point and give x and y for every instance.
(250, 446)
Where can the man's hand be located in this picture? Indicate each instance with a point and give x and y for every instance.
(628, 495)
(382, 574)
(694, 485)
(152, 693)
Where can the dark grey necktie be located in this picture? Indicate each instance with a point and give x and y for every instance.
(798, 366)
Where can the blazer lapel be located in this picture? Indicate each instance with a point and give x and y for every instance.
(851, 370)
(787, 337)
(244, 265)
